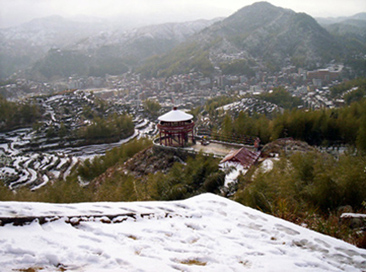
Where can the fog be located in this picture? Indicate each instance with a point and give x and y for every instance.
(13, 12)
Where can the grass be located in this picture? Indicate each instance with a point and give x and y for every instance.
(193, 262)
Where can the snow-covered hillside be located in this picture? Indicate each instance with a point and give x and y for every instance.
(204, 233)
(175, 32)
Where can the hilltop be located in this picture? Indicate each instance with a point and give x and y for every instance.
(206, 232)
(261, 34)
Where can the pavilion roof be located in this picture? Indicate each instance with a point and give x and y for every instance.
(175, 115)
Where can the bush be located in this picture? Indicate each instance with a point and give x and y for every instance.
(309, 188)
(214, 181)
(312, 180)
(92, 168)
(199, 174)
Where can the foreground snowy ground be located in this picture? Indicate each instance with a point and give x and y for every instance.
(204, 233)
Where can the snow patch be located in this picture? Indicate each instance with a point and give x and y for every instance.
(232, 171)
(203, 233)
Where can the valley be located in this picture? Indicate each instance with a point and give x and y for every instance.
(80, 102)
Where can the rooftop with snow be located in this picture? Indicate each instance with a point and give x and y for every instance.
(175, 115)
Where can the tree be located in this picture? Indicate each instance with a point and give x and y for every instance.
(152, 107)
(282, 98)
(227, 127)
(62, 132)
(361, 136)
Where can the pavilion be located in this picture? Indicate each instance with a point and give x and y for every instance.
(176, 128)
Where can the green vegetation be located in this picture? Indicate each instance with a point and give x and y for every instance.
(357, 64)
(100, 180)
(62, 63)
(353, 96)
(151, 107)
(15, 115)
(199, 174)
(282, 98)
(117, 187)
(314, 180)
(321, 127)
(112, 128)
(305, 188)
(212, 104)
(237, 67)
(182, 59)
(110, 66)
(11, 63)
(66, 63)
(239, 128)
(308, 188)
(91, 169)
(100, 125)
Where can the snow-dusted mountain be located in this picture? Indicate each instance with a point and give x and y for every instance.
(333, 20)
(97, 39)
(172, 33)
(53, 31)
(204, 233)
(22, 45)
(260, 33)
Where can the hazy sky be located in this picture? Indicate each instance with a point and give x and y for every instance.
(13, 12)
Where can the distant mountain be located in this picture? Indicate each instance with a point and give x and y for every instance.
(259, 36)
(276, 35)
(359, 16)
(261, 33)
(351, 33)
(353, 27)
(349, 27)
(53, 31)
(22, 45)
(334, 20)
(143, 42)
(115, 51)
(52, 45)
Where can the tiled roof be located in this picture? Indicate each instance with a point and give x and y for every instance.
(244, 156)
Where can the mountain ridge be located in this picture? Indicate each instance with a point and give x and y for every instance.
(262, 33)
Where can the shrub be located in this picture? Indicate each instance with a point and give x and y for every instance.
(214, 181)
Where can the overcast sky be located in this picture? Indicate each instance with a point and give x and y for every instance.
(13, 12)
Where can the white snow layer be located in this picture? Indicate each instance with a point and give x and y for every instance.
(204, 233)
(232, 170)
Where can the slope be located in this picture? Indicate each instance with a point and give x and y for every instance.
(271, 36)
(114, 51)
(206, 232)
(22, 45)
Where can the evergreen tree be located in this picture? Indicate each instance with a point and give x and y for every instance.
(361, 136)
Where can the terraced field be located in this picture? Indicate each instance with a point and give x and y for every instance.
(30, 158)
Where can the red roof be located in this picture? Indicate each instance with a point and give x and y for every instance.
(244, 156)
